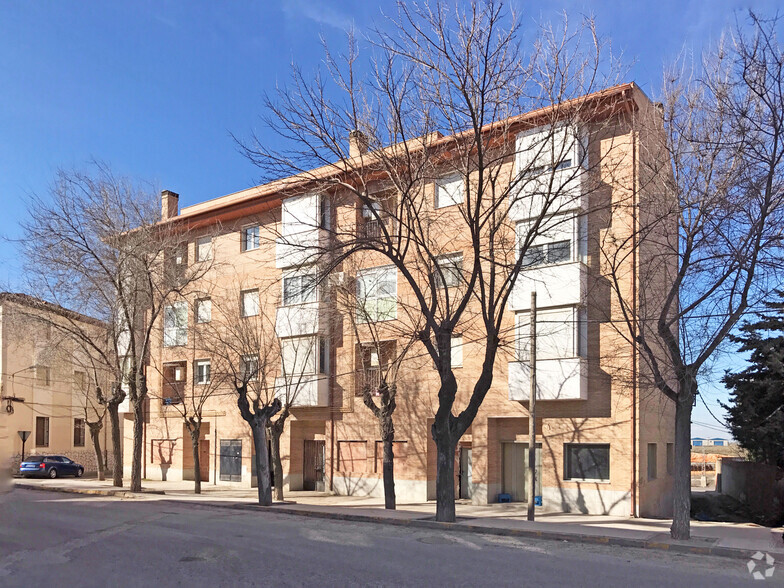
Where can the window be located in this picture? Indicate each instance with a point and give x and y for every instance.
(80, 381)
(553, 243)
(670, 459)
(652, 458)
(377, 294)
(204, 249)
(42, 375)
(449, 191)
(201, 371)
(324, 213)
(298, 356)
(376, 220)
(250, 238)
(42, 431)
(203, 310)
(78, 433)
(249, 367)
(175, 324)
(548, 254)
(449, 270)
(457, 352)
(298, 289)
(249, 302)
(560, 333)
(398, 452)
(323, 355)
(173, 391)
(587, 461)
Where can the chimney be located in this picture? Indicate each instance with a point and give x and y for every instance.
(357, 143)
(170, 204)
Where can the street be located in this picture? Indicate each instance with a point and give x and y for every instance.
(49, 538)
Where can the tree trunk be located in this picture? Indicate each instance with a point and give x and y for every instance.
(681, 491)
(259, 428)
(138, 440)
(446, 446)
(275, 434)
(195, 431)
(117, 457)
(95, 435)
(388, 436)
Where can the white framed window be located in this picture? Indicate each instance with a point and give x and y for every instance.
(175, 324)
(450, 191)
(201, 371)
(299, 289)
(249, 302)
(249, 367)
(377, 294)
(556, 243)
(449, 273)
(204, 249)
(203, 310)
(250, 238)
(457, 351)
(560, 333)
(587, 461)
(299, 356)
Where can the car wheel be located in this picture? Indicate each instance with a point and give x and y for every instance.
(79, 472)
(53, 473)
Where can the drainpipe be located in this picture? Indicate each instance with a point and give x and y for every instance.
(634, 509)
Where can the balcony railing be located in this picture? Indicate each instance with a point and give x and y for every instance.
(374, 228)
(368, 378)
(173, 393)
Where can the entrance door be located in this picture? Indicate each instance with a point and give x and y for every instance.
(231, 460)
(204, 460)
(465, 472)
(515, 464)
(313, 466)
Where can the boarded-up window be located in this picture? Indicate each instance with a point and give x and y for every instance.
(42, 431)
(78, 439)
(352, 456)
(398, 451)
(161, 451)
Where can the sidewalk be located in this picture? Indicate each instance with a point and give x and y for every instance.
(722, 539)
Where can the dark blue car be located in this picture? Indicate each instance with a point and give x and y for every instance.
(50, 466)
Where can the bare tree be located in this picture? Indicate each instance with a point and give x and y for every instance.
(444, 211)
(381, 350)
(245, 354)
(96, 243)
(713, 171)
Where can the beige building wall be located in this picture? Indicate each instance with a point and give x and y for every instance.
(43, 383)
(619, 408)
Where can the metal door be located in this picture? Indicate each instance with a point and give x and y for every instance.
(465, 472)
(515, 464)
(231, 460)
(313, 466)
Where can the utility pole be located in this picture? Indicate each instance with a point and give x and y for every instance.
(531, 474)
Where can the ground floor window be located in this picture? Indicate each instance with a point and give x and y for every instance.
(653, 456)
(231, 460)
(42, 431)
(587, 461)
(78, 433)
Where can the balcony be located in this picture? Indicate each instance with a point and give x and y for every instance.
(556, 379)
(303, 391)
(555, 285)
(370, 378)
(298, 320)
(373, 228)
(299, 248)
(564, 194)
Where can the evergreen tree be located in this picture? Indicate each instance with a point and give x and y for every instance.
(756, 408)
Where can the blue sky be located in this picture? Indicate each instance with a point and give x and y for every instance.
(154, 88)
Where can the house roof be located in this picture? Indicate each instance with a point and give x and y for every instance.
(43, 305)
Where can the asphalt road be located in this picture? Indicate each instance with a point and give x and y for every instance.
(52, 539)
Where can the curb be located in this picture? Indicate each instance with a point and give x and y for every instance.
(420, 523)
(92, 492)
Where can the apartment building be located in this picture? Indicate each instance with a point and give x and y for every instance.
(46, 383)
(606, 434)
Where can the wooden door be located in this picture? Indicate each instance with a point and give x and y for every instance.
(313, 465)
